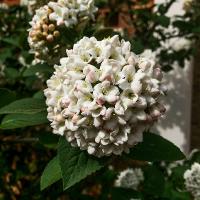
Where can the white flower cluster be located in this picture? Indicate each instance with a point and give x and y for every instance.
(192, 180)
(32, 5)
(103, 96)
(49, 21)
(130, 178)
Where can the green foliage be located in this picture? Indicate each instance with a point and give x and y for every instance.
(51, 173)
(25, 106)
(124, 194)
(75, 164)
(154, 181)
(39, 68)
(47, 139)
(171, 193)
(155, 148)
(13, 121)
(6, 96)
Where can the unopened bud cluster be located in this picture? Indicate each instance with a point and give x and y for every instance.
(48, 23)
(102, 96)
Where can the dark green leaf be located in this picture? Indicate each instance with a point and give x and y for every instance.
(177, 176)
(154, 181)
(39, 95)
(103, 33)
(51, 173)
(13, 41)
(123, 194)
(172, 194)
(48, 139)
(25, 106)
(13, 121)
(155, 148)
(11, 73)
(6, 96)
(41, 68)
(137, 46)
(75, 164)
(6, 53)
(163, 20)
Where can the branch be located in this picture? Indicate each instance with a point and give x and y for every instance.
(18, 140)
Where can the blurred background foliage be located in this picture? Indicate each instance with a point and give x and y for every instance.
(24, 152)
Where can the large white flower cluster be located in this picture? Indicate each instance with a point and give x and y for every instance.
(192, 180)
(50, 20)
(130, 178)
(102, 96)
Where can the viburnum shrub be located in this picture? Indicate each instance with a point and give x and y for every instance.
(85, 95)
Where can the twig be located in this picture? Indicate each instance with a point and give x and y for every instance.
(18, 140)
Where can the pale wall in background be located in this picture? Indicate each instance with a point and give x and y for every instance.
(176, 125)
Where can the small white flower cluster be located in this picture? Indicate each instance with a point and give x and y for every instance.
(103, 96)
(130, 178)
(49, 21)
(32, 5)
(192, 180)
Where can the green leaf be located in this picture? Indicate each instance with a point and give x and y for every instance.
(5, 54)
(13, 121)
(39, 95)
(11, 73)
(155, 148)
(171, 193)
(137, 46)
(48, 139)
(24, 106)
(124, 194)
(75, 164)
(13, 41)
(163, 20)
(154, 180)
(41, 68)
(177, 176)
(51, 173)
(103, 33)
(6, 96)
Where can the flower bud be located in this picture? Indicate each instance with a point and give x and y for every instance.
(45, 27)
(56, 34)
(45, 34)
(51, 27)
(50, 38)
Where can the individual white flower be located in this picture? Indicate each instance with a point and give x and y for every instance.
(192, 180)
(130, 178)
(90, 103)
(106, 93)
(52, 19)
